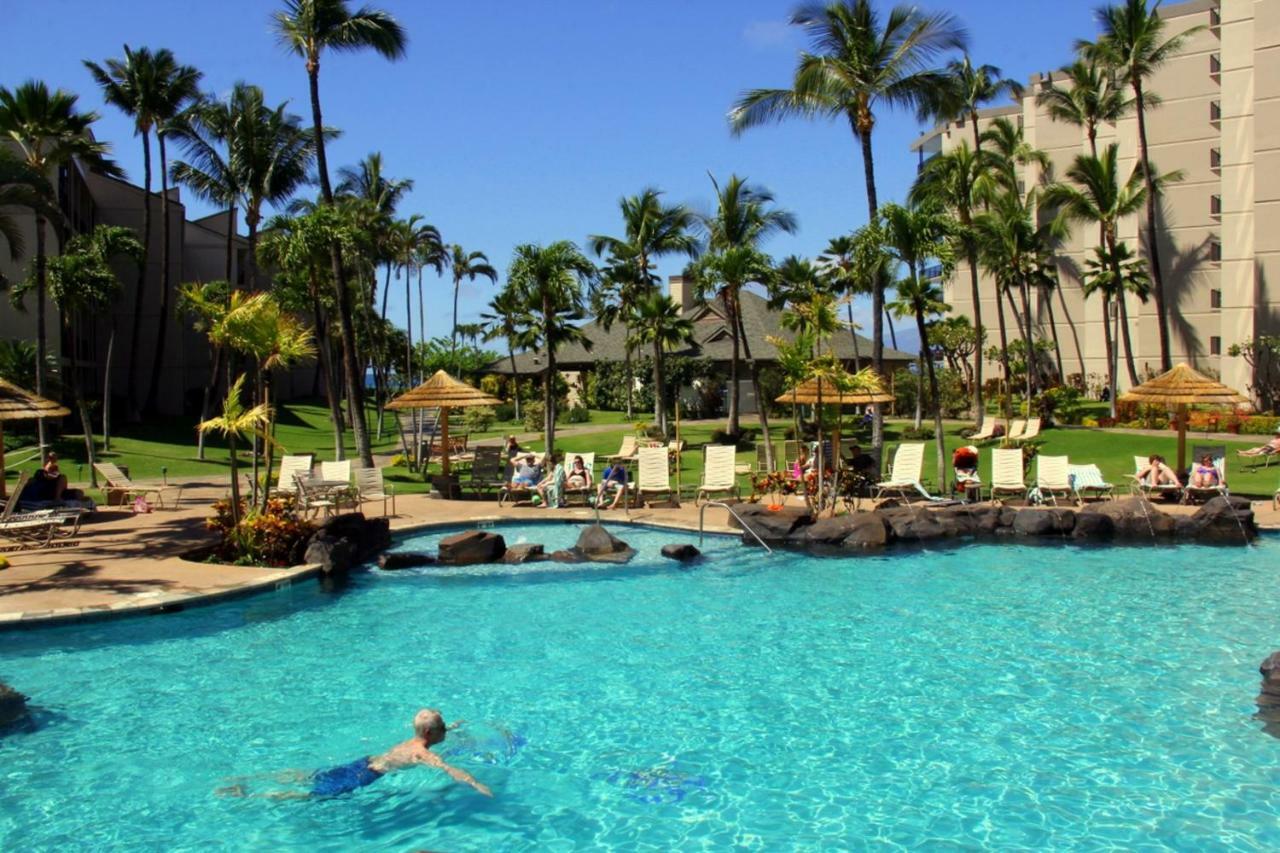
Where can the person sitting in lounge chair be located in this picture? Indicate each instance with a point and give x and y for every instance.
(528, 474)
(1205, 475)
(550, 488)
(860, 463)
(1158, 473)
(614, 480)
(1272, 446)
(579, 475)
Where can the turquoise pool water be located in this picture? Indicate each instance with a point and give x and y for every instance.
(1003, 696)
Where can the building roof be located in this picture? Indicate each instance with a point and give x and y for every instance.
(711, 339)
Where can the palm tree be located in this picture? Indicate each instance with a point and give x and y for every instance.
(1009, 151)
(468, 265)
(1112, 273)
(658, 321)
(1090, 98)
(368, 181)
(309, 28)
(859, 62)
(502, 321)
(1097, 196)
(49, 132)
(21, 186)
(913, 236)
(549, 281)
(839, 266)
(237, 422)
(651, 230)
(152, 88)
(966, 88)
(957, 181)
(1134, 46)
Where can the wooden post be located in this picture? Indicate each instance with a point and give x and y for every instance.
(1182, 438)
(444, 442)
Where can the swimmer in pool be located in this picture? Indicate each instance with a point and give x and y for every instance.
(428, 728)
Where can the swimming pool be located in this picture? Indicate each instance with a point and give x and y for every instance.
(1000, 695)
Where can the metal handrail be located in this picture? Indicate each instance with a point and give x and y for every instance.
(702, 516)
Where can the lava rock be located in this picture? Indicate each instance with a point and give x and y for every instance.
(566, 555)
(681, 553)
(334, 554)
(370, 536)
(774, 527)
(1094, 526)
(1134, 518)
(1269, 698)
(599, 545)
(470, 548)
(824, 531)
(13, 705)
(867, 530)
(525, 552)
(404, 560)
(1224, 520)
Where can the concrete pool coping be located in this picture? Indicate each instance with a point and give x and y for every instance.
(126, 565)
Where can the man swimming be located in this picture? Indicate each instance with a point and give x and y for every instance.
(428, 728)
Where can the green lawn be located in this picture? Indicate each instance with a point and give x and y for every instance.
(169, 447)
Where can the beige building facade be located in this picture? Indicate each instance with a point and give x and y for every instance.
(1219, 124)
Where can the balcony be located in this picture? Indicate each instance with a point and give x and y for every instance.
(933, 272)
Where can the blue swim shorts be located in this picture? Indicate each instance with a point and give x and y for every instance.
(344, 779)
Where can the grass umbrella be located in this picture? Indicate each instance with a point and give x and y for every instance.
(1181, 387)
(19, 404)
(443, 392)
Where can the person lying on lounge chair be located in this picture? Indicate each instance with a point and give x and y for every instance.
(550, 488)
(527, 473)
(579, 475)
(1272, 446)
(1158, 473)
(1205, 474)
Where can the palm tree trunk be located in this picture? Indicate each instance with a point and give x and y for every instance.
(1053, 333)
(350, 358)
(332, 390)
(162, 325)
(106, 395)
(1124, 336)
(256, 451)
(235, 478)
(981, 410)
(919, 416)
(211, 389)
(1026, 337)
(270, 443)
(877, 289)
(82, 407)
(140, 290)
(408, 338)
(893, 334)
(627, 369)
(42, 344)
(936, 401)
(853, 333)
(1004, 357)
(659, 402)
(1075, 336)
(1111, 356)
(761, 408)
(515, 377)
(1153, 232)
(736, 340)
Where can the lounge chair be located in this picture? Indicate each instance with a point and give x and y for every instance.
(370, 486)
(1260, 459)
(39, 529)
(118, 483)
(589, 463)
(904, 474)
(1007, 473)
(1275, 499)
(1143, 489)
(1053, 478)
(514, 491)
(762, 458)
(626, 451)
(988, 431)
(1218, 453)
(655, 474)
(340, 472)
(719, 473)
(1016, 429)
(486, 472)
(291, 468)
(1086, 482)
(1030, 430)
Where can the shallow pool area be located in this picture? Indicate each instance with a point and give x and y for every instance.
(994, 694)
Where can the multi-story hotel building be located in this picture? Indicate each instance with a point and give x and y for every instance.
(1219, 124)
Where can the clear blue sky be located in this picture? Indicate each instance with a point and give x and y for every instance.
(525, 122)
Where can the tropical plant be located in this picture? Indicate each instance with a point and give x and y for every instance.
(1134, 46)
(501, 321)
(237, 422)
(368, 182)
(20, 186)
(859, 62)
(1112, 273)
(549, 281)
(152, 88)
(965, 89)
(659, 322)
(1090, 97)
(49, 131)
(468, 265)
(309, 28)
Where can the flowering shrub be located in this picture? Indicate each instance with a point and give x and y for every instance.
(273, 538)
(773, 483)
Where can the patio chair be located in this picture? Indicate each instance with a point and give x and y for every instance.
(1144, 489)
(1007, 473)
(589, 463)
(370, 486)
(1029, 431)
(1016, 429)
(626, 451)
(340, 471)
(1258, 457)
(1086, 481)
(1218, 453)
(762, 458)
(309, 500)
(988, 431)
(790, 453)
(719, 473)
(1053, 478)
(39, 529)
(486, 472)
(513, 491)
(291, 467)
(655, 474)
(904, 473)
(117, 482)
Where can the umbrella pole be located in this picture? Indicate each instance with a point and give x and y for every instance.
(4, 482)
(1182, 437)
(444, 441)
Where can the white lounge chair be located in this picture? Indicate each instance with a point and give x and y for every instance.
(988, 431)
(1007, 473)
(588, 463)
(904, 474)
(655, 473)
(291, 468)
(1144, 489)
(117, 481)
(626, 451)
(1218, 453)
(1087, 481)
(39, 529)
(370, 486)
(1053, 478)
(1030, 430)
(1016, 429)
(719, 472)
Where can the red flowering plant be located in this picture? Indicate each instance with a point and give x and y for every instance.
(274, 537)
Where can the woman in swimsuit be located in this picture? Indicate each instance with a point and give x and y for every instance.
(579, 476)
(1206, 474)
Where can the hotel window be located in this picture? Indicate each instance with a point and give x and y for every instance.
(1215, 17)
(1215, 298)
(1215, 65)
(1215, 251)
(1215, 111)
(1215, 345)
(1215, 205)
(1215, 158)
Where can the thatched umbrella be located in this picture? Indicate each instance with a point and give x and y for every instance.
(18, 404)
(443, 392)
(1179, 388)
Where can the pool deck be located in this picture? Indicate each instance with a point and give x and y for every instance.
(124, 564)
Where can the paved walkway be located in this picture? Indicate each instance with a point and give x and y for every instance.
(126, 563)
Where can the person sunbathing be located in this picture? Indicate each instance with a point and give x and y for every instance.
(579, 475)
(551, 486)
(527, 474)
(1205, 474)
(1272, 446)
(1157, 473)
